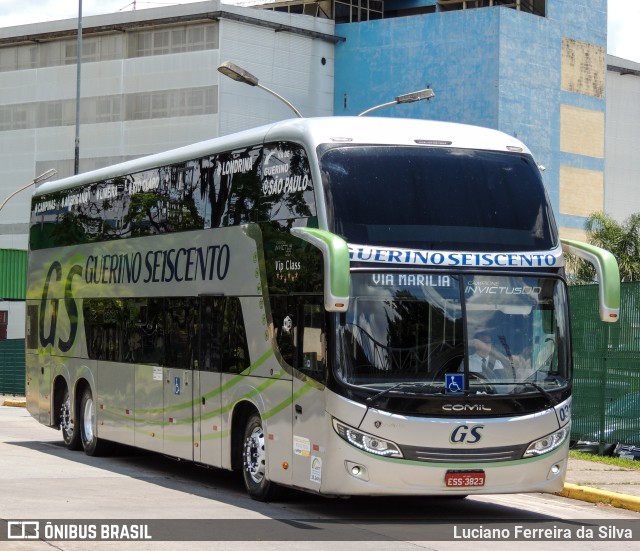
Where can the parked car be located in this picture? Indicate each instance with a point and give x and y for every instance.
(621, 429)
(627, 451)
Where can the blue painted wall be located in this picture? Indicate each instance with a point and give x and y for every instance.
(493, 67)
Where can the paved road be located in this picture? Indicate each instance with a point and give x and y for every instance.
(40, 479)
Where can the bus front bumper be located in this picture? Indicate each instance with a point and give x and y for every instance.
(354, 472)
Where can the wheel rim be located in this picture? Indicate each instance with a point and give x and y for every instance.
(65, 418)
(254, 455)
(88, 420)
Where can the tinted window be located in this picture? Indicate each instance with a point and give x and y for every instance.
(152, 331)
(235, 192)
(181, 331)
(300, 333)
(249, 184)
(224, 340)
(437, 198)
(286, 186)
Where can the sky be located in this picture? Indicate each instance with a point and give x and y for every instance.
(623, 18)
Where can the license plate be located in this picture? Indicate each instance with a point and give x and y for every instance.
(464, 479)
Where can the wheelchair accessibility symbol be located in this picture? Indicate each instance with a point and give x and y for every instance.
(454, 383)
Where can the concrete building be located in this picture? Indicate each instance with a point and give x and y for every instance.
(535, 70)
(622, 140)
(149, 83)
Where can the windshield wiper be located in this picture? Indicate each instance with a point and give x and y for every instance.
(403, 384)
(551, 399)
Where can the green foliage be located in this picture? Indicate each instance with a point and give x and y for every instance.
(621, 239)
(607, 460)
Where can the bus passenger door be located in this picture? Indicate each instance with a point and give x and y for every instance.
(310, 422)
(181, 353)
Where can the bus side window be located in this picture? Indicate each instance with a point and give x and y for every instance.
(313, 335)
(103, 329)
(235, 193)
(300, 333)
(181, 324)
(286, 186)
(284, 313)
(223, 341)
(235, 352)
(211, 313)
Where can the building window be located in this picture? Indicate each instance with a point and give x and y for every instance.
(163, 41)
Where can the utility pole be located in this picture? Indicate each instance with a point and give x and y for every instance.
(76, 164)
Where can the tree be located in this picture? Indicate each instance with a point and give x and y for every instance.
(622, 240)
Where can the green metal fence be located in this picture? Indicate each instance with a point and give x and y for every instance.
(12, 370)
(606, 397)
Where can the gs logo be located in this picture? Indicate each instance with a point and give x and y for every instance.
(467, 435)
(49, 308)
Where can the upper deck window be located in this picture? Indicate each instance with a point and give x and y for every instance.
(437, 198)
(254, 184)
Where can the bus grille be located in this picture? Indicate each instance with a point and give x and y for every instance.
(467, 455)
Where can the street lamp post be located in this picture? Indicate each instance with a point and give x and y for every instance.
(411, 97)
(238, 74)
(76, 158)
(44, 176)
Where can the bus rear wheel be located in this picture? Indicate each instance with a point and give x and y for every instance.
(254, 461)
(68, 423)
(88, 426)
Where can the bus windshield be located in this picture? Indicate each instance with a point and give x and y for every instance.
(436, 198)
(505, 334)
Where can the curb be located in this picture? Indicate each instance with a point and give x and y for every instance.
(594, 495)
(15, 403)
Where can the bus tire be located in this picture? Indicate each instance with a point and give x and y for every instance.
(254, 461)
(89, 426)
(69, 423)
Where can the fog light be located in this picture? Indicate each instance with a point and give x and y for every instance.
(356, 470)
(555, 471)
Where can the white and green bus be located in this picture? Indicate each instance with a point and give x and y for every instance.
(303, 302)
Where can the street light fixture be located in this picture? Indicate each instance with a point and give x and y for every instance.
(239, 74)
(44, 176)
(411, 97)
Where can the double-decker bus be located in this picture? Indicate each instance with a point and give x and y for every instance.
(305, 302)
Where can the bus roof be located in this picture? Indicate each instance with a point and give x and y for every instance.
(312, 132)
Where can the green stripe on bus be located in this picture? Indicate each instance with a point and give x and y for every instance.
(229, 384)
(277, 409)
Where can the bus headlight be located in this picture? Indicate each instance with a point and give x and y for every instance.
(548, 443)
(367, 442)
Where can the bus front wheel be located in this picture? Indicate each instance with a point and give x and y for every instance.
(68, 423)
(254, 461)
(88, 426)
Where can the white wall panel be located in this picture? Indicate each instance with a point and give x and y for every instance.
(153, 136)
(622, 144)
(173, 71)
(18, 86)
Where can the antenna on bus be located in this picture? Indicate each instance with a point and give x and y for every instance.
(239, 74)
(411, 97)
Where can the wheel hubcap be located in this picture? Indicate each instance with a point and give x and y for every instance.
(65, 418)
(254, 455)
(89, 420)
